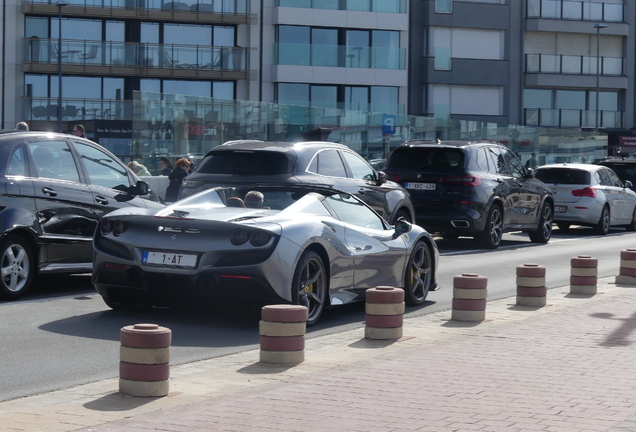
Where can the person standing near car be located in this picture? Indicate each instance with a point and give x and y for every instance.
(176, 178)
(79, 131)
(532, 162)
(165, 167)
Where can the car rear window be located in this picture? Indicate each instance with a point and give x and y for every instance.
(563, 176)
(426, 158)
(245, 162)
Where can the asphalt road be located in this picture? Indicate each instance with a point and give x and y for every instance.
(62, 334)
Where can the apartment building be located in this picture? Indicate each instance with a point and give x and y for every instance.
(319, 53)
(531, 62)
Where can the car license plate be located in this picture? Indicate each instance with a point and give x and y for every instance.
(168, 259)
(422, 186)
(560, 209)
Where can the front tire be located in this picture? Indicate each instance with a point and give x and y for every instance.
(17, 267)
(491, 237)
(419, 275)
(402, 213)
(309, 285)
(544, 230)
(632, 224)
(603, 224)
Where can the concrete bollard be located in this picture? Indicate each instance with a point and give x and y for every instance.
(627, 273)
(531, 289)
(584, 275)
(469, 297)
(384, 313)
(144, 369)
(282, 329)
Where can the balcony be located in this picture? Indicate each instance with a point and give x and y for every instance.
(339, 56)
(574, 65)
(572, 118)
(45, 109)
(191, 11)
(575, 10)
(80, 57)
(388, 6)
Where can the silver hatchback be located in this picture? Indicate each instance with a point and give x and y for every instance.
(589, 195)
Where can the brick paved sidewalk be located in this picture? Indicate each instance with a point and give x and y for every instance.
(566, 367)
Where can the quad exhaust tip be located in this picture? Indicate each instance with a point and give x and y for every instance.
(460, 224)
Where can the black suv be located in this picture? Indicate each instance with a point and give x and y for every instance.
(478, 189)
(624, 168)
(53, 190)
(240, 163)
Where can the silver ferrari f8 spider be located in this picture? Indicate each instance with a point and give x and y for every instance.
(314, 246)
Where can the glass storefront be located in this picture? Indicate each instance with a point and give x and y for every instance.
(171, 125)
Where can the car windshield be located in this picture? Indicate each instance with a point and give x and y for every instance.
(563, 176)
(426, 158)
(245, 162)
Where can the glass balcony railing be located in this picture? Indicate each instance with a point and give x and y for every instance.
(576, 10)
(213, 6)
(390, 6)
(46, 109)
(100, 53)
(575, 65)
(572, 118)
(339, 56)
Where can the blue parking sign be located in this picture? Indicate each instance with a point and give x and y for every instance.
(388, 124)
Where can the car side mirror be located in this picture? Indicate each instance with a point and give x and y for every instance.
(130, 192)
(628, 184)
(402, 226)
(381, 178)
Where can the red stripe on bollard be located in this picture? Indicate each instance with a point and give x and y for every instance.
(289, 343)
(385, 295)
(284, 313)
(582, 280)
(144, 372)
(628, 254)
(470, 281)
(584, 262)
(532, 292)
(469, 305)
(145, 336)
(627, 272)
(384, 321)
(530, 270)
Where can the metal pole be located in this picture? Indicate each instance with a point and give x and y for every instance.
(598, 27)
(59, 69)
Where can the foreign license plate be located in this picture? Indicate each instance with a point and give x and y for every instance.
(560, 209)
(421, 186)
(168, 259)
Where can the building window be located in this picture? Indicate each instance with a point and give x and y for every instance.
(447, 100)
(359, 98)
(448, 43)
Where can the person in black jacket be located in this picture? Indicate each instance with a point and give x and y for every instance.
(176, 177)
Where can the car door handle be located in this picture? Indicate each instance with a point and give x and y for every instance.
(101, 200)
(48, 191)
(360, 249)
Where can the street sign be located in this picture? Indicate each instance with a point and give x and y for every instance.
(388, 124)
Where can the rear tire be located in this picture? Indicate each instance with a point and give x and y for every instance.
(419, 275)
(544, 230)
(402, 213)
(309, 286)
(491, 237)
(17, 267)
(632, 224)
(603, 224)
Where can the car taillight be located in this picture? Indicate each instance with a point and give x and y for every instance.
(107, 226)
(392, 177)
(586, 192)
(461, 180)
(118, 228)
